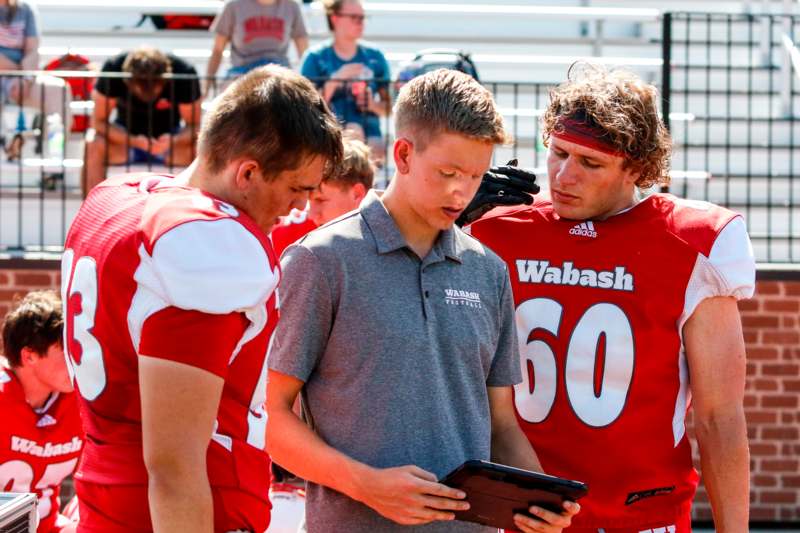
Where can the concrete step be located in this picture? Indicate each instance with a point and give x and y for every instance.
(783, 191)
(737, 133)
(698, 77)
(36, 221)
(734, 105)
(720, 27)
(722, 160)
(766, 223)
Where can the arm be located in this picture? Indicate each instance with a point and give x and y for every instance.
(190, 113)
(407, 494)
(314, 460)
(383, 105)
(220, 43)
(350, 71)
(30, 57)
(716, 356)
(301, 44)
(30, 61)
(115, 133)
(510, 446)
(179, 406)
(299, 34)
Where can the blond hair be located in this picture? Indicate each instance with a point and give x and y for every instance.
(356, 165)
(448, 101)
(625, 108)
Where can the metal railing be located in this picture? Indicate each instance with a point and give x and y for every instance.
(739, 128)
(735, 126)
(43, 119)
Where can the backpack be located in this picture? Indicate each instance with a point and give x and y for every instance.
(180, 22)
(435, 58)
(81, 87)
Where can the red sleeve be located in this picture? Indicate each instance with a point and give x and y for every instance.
(193, 338)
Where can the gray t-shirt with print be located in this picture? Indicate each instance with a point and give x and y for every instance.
(24, 24)
(396, 352)
(258, 31)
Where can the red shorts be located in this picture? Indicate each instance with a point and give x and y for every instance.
(679, 525)
(125, 509)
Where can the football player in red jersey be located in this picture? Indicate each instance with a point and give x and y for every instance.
(334, 197)
(626, 313)
(169, 285)
(40, 437)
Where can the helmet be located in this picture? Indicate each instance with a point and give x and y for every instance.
(435, 58)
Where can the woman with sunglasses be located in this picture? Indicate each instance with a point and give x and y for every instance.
(353, 76)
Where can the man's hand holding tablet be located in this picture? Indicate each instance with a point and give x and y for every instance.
(506, 497)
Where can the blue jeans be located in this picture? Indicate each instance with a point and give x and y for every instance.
(235, 72)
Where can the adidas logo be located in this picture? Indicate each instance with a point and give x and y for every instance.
(45, 421)
(584, 229)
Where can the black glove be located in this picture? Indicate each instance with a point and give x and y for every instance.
(504, 185)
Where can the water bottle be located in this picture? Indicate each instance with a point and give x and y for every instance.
(55, 137)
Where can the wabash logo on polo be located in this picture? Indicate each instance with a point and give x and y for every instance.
(539, 271)
(459, 297)
(584, 229)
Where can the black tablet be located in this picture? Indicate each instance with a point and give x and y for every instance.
(496, 492)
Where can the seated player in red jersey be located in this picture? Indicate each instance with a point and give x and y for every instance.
(169, 285)
(334, 197)
(626, 313)
(40, 433)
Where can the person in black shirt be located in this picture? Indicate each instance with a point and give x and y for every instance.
(145, 118)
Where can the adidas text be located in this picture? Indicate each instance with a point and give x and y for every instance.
(584, 229)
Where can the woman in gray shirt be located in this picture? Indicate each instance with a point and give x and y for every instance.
(258, 32)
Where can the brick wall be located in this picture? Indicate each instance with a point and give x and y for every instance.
(16, 282)
(772, 403)
(771, 324)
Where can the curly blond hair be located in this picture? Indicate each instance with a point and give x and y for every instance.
(622, 105)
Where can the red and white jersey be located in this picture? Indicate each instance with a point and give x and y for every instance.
(290, 229)
(600, 307)
(38, 447)
(156, 268)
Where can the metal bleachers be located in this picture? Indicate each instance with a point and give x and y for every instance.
(734, 122)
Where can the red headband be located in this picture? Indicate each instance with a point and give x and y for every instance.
(585, 134)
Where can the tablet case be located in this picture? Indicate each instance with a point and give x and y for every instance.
(496, 492)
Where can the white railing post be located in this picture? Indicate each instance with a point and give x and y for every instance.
(766, 35)
(787, 63)
(790, 66)
(597, 47)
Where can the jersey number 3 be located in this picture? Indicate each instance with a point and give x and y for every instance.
(596, 392)
(84, 353)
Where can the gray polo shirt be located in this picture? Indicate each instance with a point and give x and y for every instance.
(396, 352)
